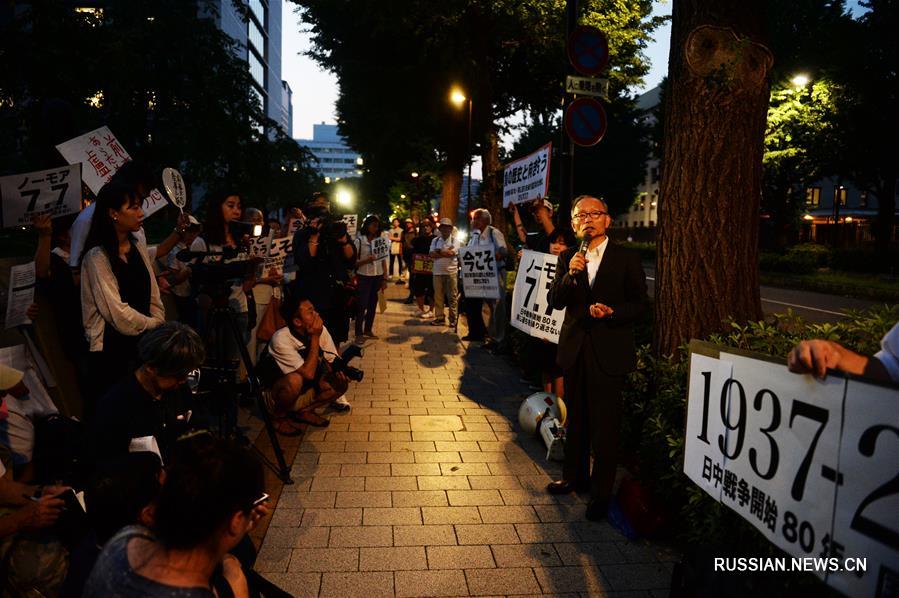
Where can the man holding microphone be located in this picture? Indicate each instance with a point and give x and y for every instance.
(603, 290)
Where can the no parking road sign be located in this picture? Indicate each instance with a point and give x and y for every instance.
(585, 121)
(588, 50)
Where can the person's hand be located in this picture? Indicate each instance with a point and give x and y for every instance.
(317, 326)
(578, 263)
(32, 312)
(43, 513)
(55, 490)
(814, 357)
(520, 251)
(601, 310)
(42, 224)
(257, 514)
(183, 223)
(384, 284)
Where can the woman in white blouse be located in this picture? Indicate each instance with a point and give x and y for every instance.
(371, 272)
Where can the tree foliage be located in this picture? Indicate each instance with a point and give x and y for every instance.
(162, 76)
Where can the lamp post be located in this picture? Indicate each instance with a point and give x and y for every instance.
(458, 98)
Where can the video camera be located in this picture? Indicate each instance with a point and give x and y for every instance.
(328, 226)
(341, 363)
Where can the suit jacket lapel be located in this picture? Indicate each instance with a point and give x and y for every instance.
(604, 266)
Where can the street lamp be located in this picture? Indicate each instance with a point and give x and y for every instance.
(344, 198)
(458, 99)
(800, 80)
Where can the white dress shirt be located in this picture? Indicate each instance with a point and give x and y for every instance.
(594, 259)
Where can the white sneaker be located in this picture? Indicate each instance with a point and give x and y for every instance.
(341, 403)
(426, 314)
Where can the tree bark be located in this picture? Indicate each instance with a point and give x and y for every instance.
(716, 105)
(492, 169)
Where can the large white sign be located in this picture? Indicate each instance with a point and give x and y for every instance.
(99, 154)
(527, 179)
(813, 465)
(350, 220)
(531, 311)
(56, 191)
(380, 248)
(479, 272)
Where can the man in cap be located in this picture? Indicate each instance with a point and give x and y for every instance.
(18, 411)
(444, 249)
(542, 210)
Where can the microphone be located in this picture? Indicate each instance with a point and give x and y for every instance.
(585, 244)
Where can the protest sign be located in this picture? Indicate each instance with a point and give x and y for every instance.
(278, 253)
(293, 225)
(350, 220)
(809, 463)
(21, 294)
(479, 272)
(174, 186)
(99, 153)
(531, 311)
(527, 179)
(56, 191)
(153, 203)
(422, 263)
(380, 248)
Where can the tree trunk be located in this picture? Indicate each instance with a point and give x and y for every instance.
(449, 194)
(716, 104)
(492, 170)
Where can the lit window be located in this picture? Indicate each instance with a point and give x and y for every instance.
(813, 197)
(839, 194)
(863, 199)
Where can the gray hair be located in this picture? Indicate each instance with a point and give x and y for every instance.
(484, 213)
(253, 214)
(174, 349)
(580, 198)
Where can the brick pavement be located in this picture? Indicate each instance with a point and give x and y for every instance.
(428, 488)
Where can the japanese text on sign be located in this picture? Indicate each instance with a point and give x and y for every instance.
(479, 272)
(21, 294)
(56, 191)
(99, 153)
(777, 448)
(350, 220)
(531, 311)
(422, 263)
(380, 248)
(527, 179)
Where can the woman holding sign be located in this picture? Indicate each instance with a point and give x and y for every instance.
(371, 270)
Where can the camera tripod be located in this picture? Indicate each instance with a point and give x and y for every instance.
(221, 323)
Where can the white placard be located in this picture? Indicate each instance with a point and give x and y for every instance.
(380, 248)
(99, 153)
(279, 252)
(531, 311)
(479, 276)
(350, 220)
(866, 523)
(293, 225)
(174, 186)
(56, 191)
(21, 294)
(153, 203)
(527, 179)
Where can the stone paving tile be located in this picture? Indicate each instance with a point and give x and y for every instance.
(498, 482)
(393, 436)
(420, 498)
(423, 535)
(286, 517)
(368, 446)
(412, 446)
(368, 427)
(583, 553)
(393, 483)
(298, 585)
(272, 559)
(520, 496)
(365, 584)
(344, 484)
(507, 514)
(415, 469)
(430, 583)
(460, 557)
(456, 446)
(363, 499)
(392, 516)
(464, 469)
(479, 457)
(439, 482)
(324, 559)
(571, 579)
(391, 457)
(305, 500)
(332, 517)
(635, 576)
(535, 533)
(462, 498)
(297, 537)
(501, 582)
(559, 513)
(452, 515)
(525, 555)
(436, 457)
(342, 458)
(367, 535)
(487, 533)
(365, 470)
(393, 558)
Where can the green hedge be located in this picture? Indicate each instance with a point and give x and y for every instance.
(654, 422)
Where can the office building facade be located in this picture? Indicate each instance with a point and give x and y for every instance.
(334, 159)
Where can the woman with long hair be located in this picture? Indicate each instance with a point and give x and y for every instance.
(372, 275)
(119, 296)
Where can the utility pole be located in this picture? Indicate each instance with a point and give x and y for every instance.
(566, 147)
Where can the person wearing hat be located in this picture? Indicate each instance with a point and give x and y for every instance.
(18, 411)
(542, 210)
(444, 249)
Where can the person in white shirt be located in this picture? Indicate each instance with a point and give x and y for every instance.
(444, 249)
(484, 235)
(371, 272)
(303, 350)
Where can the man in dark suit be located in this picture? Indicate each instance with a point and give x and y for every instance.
(602, 287)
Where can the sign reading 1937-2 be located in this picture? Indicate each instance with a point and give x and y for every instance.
(813, 465)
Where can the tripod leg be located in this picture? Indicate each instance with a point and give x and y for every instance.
(256, 390)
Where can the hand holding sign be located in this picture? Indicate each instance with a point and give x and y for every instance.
(174, 187)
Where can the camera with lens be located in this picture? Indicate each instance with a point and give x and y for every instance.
(328, 226)
(341, 364)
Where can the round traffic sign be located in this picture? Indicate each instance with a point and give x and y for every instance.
(585, 121)
(588, 50)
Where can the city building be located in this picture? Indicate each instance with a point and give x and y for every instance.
(259, 37)
(334, 159)
(643, 213)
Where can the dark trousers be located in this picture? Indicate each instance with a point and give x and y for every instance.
(593, 400)
(367, 303)
(395, 257)
(476, 327)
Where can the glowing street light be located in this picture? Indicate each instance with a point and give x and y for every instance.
(344, 198)
(800, 80)
(457, 97)
(414, 175)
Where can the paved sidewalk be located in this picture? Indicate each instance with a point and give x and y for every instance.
(427, 488)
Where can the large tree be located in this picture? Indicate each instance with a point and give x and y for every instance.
(162, 76)
(715, 106)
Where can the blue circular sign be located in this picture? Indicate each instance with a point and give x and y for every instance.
(585, 121)
(588, 50)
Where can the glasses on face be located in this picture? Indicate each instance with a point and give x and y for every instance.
(584, 216)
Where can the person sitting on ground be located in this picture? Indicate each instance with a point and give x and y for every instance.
(302, 351)
(19, 410)
(143, 411)
(212, 497)
(817, 356)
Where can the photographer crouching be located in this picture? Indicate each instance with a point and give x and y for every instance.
(303, 367)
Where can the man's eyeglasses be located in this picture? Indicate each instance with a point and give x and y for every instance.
(584, 216)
